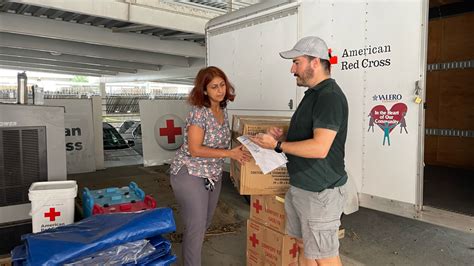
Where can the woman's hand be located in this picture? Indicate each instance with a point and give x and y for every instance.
(276, 132)
(240, 154)
(266, 141)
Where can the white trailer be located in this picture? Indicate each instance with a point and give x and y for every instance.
(381, 50)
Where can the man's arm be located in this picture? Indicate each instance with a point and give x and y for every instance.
(316, 147)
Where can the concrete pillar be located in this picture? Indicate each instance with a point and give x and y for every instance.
(98, 133)
(103, 97)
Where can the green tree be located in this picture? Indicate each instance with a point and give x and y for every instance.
(79, 79)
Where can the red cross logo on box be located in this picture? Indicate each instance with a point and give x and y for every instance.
(294, 250)
(258, 207)
(52, 214)
(254, 240)
(169, 132)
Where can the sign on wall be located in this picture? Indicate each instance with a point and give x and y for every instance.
(162, 129)
(79, 133)
(387, 119)
(169, 132)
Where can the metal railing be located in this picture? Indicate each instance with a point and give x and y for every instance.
(126, 104)
(451, 65)
(448, 132)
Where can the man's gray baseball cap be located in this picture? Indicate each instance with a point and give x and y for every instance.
(311, 45)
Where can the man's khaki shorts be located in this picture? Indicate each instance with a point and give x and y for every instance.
(315, 218)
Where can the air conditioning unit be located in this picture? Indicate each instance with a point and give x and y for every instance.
(23, 158)
(32, 149)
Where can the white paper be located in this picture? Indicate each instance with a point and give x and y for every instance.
(268, 160)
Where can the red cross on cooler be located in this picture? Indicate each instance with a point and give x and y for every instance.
(52, 214)
(169, 131)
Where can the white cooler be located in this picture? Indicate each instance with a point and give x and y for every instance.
(52, 204)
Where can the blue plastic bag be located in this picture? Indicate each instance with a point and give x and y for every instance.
(139, 252)
(19, 255)
(99, 232)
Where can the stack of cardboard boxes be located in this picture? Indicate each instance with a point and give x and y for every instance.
(267, 243)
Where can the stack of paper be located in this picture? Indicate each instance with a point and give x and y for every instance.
(268, 160)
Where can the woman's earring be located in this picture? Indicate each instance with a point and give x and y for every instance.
(205, 93)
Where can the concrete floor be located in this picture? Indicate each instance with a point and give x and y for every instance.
(372, 238)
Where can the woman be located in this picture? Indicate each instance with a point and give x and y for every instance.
(196, 171)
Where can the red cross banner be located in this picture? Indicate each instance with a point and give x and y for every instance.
(169, 132)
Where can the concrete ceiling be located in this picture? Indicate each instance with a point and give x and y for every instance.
(118, 40)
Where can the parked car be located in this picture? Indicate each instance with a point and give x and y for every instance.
(126, 125)
(117, 150)
(134, 134)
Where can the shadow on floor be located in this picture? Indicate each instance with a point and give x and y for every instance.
(450, 189)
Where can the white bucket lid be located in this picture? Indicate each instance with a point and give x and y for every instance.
(56, 189)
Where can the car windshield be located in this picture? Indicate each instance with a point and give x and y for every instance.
(126, 125)
(138, 131)
(112, 139)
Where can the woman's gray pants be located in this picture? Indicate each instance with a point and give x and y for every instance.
(197, 206)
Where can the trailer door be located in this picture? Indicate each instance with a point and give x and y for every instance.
(380, 48)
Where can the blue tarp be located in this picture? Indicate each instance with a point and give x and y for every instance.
(99, 232)
(140, 252)
(19, 255)
(162, 248)
(162, 253)
(160, 256)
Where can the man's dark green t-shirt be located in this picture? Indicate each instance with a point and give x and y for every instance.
(323, 106)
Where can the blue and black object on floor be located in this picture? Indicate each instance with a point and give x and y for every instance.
(73, 242)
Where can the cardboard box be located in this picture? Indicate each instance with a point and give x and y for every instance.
(269, 247)
(251, 125)
(269, 210)
(248, 178)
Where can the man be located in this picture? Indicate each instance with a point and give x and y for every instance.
(315, 151)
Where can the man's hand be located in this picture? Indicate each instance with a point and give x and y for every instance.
(266, 141)
(276, 132)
